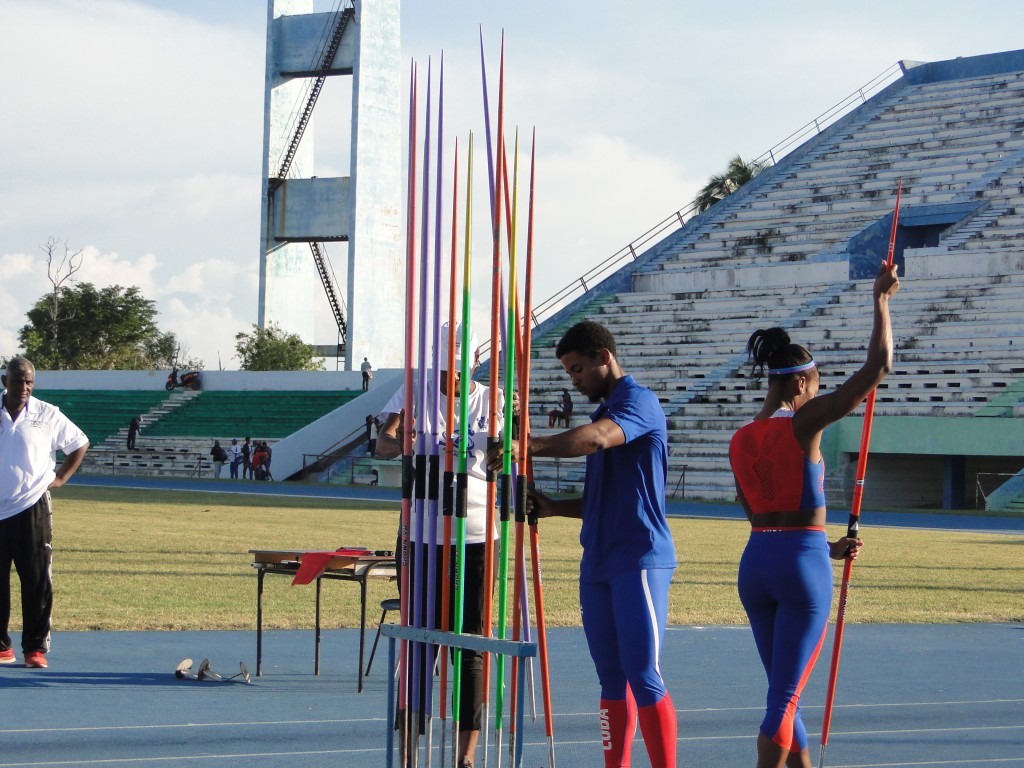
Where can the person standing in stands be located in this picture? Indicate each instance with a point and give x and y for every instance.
(267, 459)
(31, 432)
(236, 458)
(133, 431)
(367, 370)
(247, 459)
(785, 578)
(259, 460)
(628, 552)
(371, 441)
(219, 456)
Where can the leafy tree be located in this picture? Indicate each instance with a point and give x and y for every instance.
(84, 328)
(720, 186)
(271, 349)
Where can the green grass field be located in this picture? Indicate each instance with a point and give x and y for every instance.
(155, 560)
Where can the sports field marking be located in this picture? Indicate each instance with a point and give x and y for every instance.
(79, 729)
(192, 758)
(946, 729)
(560, 715)
(699, 710)
(530, 743)
(882, 732)
(983, 761)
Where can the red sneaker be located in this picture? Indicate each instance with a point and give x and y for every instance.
(7, 657)
(36, 659)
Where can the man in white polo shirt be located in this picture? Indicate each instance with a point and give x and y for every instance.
(31, 432)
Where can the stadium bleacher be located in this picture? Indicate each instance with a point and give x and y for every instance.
(102, 413)
(789, 249)
(237, 414)
(794, 247)
(179, 428)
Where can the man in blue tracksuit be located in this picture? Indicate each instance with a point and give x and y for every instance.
(628, 552)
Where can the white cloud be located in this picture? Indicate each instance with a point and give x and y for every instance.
(107, 269)
(14, 265)
(206, 330)
(133, 128)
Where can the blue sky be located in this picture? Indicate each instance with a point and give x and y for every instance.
(132, 128)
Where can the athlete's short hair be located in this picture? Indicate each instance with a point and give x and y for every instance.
(586, 338)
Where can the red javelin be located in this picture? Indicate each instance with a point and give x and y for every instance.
(853, 526)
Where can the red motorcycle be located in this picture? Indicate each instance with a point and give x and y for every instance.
(188, 380)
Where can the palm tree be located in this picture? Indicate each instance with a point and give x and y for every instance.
(720, 186)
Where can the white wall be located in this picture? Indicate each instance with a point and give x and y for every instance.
(213, 381)
(723, 278)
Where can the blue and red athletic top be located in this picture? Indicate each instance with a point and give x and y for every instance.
(772, 470)
(624, 528)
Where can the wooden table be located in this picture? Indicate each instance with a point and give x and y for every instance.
(357, 568)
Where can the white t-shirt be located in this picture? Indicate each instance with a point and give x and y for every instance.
(28, 448)
(476, 467)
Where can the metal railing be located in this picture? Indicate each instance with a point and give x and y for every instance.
(678, 219)
(327, 459)
(991, 480)
(351, 470)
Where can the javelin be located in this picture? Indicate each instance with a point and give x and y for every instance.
(462, 478)
(433, 467)
(447, 506)
(506, 470)
(407, 474)
(526, 467)
(853, 526)
(492, 410)
(421, 651)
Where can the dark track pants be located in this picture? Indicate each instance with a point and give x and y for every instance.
(26, 540)
(471, 690)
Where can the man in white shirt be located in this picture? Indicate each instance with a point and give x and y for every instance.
(367, 370)
(236, 457)
(31, 432)
(389, 446)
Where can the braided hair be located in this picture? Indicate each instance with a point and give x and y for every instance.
(771, 347)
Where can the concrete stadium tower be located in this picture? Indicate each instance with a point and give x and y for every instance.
(300, 210)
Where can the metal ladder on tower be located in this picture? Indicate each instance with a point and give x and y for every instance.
(320, 259)
(319, 255)
(307, 112)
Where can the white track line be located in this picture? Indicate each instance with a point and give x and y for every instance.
(178, 759)
(169, 726)
(560, 715)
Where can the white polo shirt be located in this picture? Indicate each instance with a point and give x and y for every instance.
(28, 453)
(476, 455)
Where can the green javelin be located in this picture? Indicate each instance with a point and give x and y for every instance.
(506, 466)
(462, 478)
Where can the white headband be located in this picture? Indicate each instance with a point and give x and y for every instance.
(791, 369)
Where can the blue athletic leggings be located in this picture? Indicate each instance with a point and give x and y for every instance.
(785, 584)
(624, 620)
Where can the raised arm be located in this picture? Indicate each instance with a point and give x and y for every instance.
(388, 443)
(821, 411)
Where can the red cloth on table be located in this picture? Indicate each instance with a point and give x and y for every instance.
(313, 564)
